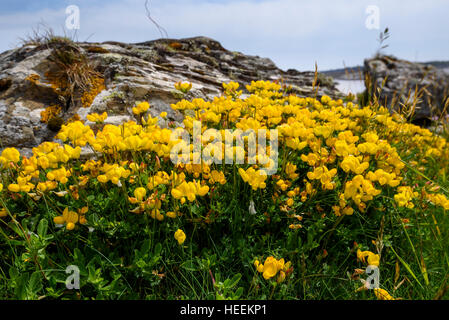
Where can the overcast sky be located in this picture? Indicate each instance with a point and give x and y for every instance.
(293, 33)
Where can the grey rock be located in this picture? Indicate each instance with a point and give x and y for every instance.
(404, 79)
(133, 73)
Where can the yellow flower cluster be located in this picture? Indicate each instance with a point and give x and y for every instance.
(141, 108)
(360, 189)
(113, 173)
(439, 200)
(271, 267)
(372, 259)
(183, 87)
(71, 218)
(264, 86)
(255, 178)
(324, 145)
(230, 89)
(180, 236)
(351, 163)
(152, 204)
(3, 213)
(61, 175)
(405, 196)
(9, 155)
(368, 257)
(97, 118)
(22, 184)
(382, 294)
(324, 175)
(77, 133)
(189, 190)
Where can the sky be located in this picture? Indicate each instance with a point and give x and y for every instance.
(295, 34)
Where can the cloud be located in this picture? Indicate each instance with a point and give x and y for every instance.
(294, 34)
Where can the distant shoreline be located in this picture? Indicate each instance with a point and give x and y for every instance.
(350, 86)
(356, 73)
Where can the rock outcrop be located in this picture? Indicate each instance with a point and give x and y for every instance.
(406, 80)
(129, 73)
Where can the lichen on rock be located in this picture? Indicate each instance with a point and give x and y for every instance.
(81, 78)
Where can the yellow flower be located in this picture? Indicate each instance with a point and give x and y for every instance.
(171, 214)
(405, 196)
(189, 190)
(70, 226)
(217, 176)
(102, 178)
(14, 188)
(140, 193)
(353, 164)
(254, 178)
(373, 259)
(10, 155)
(69, 218)
(141, 108)
(231, 89)
(58, 220)
(3, 213)
(256, 263)
(270, 268)
(290, 171)
(281, 277)
(60, 175)
(77, 133)
(348, 211)
(47, 186)
(382, 294)
(95, 117)
(23, 185)
(180, 236)
(183, 87)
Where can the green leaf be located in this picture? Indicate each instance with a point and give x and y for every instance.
(238, 293)
(189, 266)
(42, 228)
(34, 285)
(158, 249)
(145, 247)
(234, 281)
(21, 288)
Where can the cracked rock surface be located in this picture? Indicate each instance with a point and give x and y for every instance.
(404, 79)
(132, 72)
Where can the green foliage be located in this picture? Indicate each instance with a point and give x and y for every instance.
(123, 252)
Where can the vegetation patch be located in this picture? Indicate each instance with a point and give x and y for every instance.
(354, 189)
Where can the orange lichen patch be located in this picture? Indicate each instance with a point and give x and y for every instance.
(96, 86)
(75, 118)
(33, 78)
(58, 84)
(62, 87)
(50, 112)
(175, 45)
(94, 49)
